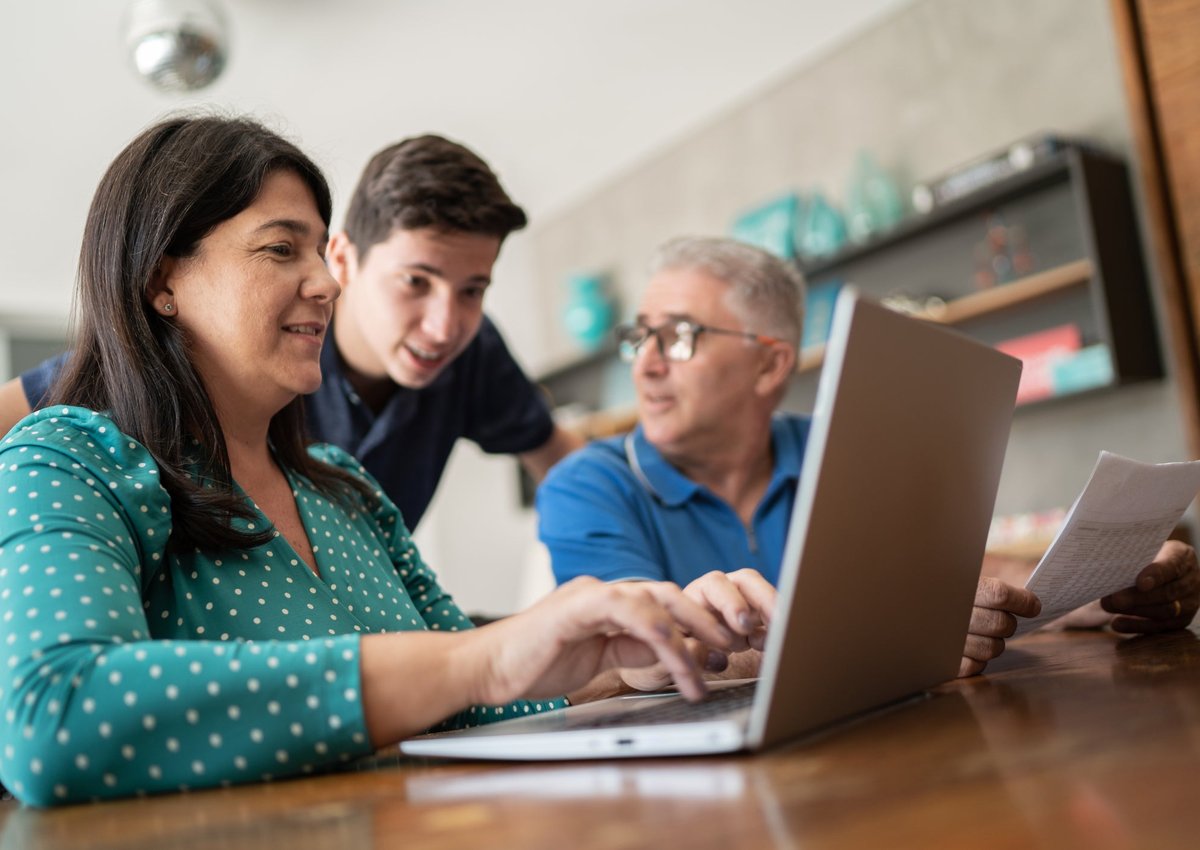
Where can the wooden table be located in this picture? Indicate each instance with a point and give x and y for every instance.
(1071, 740)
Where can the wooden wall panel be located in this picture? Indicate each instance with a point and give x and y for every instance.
(1171, 31)
(1159, 42)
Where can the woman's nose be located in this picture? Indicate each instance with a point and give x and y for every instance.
(321, 285)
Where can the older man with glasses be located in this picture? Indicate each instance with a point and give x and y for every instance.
(707, 480)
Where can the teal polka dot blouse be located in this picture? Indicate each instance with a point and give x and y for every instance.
(125, 669)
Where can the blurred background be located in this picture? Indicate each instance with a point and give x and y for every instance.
(615, 125)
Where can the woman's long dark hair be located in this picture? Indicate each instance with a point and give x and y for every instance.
(167, 190)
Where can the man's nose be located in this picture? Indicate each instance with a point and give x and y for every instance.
(440, 319)
(649, 359)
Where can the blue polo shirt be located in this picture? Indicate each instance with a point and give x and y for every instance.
(482, 395)
(618, 510)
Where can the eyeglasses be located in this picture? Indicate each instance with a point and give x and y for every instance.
(676, 339)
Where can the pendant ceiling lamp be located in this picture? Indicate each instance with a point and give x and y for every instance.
(176, 45)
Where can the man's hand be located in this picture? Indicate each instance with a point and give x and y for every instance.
(994, 617)
(1165, 596)
(744, 602)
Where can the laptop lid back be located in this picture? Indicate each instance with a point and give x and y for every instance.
(896, 494)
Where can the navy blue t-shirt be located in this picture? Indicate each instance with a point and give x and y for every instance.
(482, 395)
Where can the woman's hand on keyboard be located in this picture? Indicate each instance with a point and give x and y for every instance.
(587, 627)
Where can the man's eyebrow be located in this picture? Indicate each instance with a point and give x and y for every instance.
(436, 272)
(670, 317)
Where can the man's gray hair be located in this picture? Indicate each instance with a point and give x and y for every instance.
(766, 291)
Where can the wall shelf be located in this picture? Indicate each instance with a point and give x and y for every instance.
(1076, 210)
(1070, 220)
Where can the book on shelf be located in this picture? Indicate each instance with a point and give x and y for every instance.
(818, 313)
(1085, 369)
(1040, 352)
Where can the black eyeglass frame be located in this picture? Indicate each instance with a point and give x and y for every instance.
(629, 347)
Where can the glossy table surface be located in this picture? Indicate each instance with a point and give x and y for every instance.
(1070, 740)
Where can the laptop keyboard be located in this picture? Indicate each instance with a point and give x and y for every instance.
(675, 710)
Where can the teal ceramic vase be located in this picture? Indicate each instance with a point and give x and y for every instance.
(588, 315)
(873, 202)
(822, 230)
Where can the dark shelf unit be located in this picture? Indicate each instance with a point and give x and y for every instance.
(1077, 210)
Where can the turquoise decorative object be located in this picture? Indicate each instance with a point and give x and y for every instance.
(771, 226)
(589, 310)
(873, 202)
(822, 231)
(860, 217)
(885, 199)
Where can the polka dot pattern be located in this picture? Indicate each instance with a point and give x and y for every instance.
(127, 669)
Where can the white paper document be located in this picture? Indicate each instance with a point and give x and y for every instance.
(1114, 529)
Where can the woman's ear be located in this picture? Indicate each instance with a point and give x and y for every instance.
(342, 258)
(160, 293)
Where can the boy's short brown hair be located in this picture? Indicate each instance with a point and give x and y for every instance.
(428, 181)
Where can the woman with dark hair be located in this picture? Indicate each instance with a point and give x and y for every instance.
(192, 596)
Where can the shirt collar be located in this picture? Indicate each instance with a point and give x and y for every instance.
(665, 482)
(673, 488)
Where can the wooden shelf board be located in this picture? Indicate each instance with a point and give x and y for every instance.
(811, 358)
(1020, 291)
(987, 302)
(603, 423)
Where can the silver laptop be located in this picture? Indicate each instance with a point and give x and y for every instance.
(896, 493)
